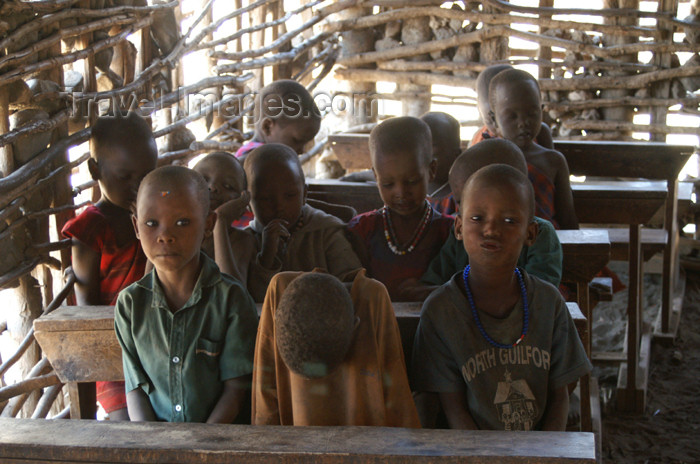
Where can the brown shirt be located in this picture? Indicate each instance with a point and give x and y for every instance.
(369, 388)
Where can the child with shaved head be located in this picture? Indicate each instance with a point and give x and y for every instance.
(284, 112)
(326, 356)
(187, 331)
(287, 234)
(543, 259)
(495, 343)
(397, 242)
(445, 133)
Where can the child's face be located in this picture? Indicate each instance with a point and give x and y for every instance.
(294, 133)
(277, 191)
(403, 181)
(225, 183)
(494, 224)
(517, 112)
(119, 173)
(444, 154)
(171, 225)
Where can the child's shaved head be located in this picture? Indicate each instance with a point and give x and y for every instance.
(400, 135)
(502, 175)
(284, 101)
(226, 161)
(445, 127)
(130, 133)
(484, 153)
(168, 179)
(510, 76)
(314, 324)
(482, 90)
(270, 154)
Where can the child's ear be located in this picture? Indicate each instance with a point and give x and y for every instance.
(266, 126)
(306, 190)
(135, 223)
(458, 227)
(93, 169)
(209, 223)
(492, 118)
(532, 229)
(432, 169)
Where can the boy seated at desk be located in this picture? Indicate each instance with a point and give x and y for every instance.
(397, 242)
(542, 259)
(287, 234)
(326, 356)
(496, 344)
(516, 114)
(187, 331)
(445, 132)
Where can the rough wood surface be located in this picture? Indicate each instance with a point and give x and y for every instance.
(132, 442)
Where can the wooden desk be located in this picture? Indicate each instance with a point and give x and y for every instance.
(633, 204)
(40, 441)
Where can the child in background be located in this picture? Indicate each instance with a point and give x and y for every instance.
(187, 331)
(543, 259)
(497, 344)
(516, 113)
(324, 356)
(284, 112)
(397, 242)
(106, 256)
(444, 130)
(286, 234)
(488, 131)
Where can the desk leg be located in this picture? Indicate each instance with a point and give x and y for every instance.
(584, 302)
(670, 252)
(83, 400)
(629, 397)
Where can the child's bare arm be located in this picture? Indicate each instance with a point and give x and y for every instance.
(455, 406)
(229, 403)
(86, 266)
(563, 197)
(139, 406)
(557, 409)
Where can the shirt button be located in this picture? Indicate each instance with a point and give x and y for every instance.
(176, 359)
(178, 408)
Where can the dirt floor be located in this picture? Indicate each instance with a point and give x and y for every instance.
(669, 429)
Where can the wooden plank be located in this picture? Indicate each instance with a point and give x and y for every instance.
(140, 442)
(615, 202)
(586, 252)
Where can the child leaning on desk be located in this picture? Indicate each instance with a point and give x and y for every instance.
(187, 331)
(498, 345)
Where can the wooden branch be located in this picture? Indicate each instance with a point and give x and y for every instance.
(258, 27)
(577, 124)
(229, 123)
(42, 21)
(56, 61)
(28, 172)
(637, 81)
(283, 39)
(28, 386)
(46, 6)
(44, 248)
(21, 56)
(234, 14)
(371, 75)
(613, 102)
(195, 149)
(64, 414)
(46, 401)
(445, 65)
(36, 126)
(38, 99)
(315, 150)
(7, 280)
(488, 18)
(87, 185)
(284, 57)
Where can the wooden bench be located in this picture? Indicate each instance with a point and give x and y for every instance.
(82, 347)
(40, 441)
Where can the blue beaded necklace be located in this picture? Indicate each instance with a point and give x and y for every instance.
(526, 318)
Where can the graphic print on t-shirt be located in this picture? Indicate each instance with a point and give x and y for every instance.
(515, 404)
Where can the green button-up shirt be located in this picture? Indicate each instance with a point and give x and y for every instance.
(181, 359)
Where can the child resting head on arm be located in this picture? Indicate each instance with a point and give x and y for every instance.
(497, 344)
(516, 113)
(106, 256)
(326, 356)
(284, 112)
(187, 331)
(397, 242)
(286, 234)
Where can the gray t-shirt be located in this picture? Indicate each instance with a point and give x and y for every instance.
(506, 389)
